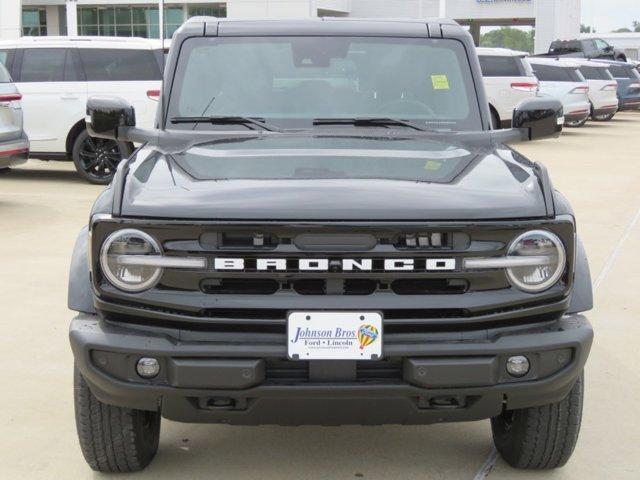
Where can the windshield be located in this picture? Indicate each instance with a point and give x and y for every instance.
(290, 81)
(303, 158)
(565, 46)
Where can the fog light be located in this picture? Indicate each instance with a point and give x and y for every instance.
(148, 367)
(518, 366)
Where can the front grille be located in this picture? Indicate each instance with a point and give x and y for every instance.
(433, 286)
(427, 296)
(237, 286)
(319, 286)
(281, 314)
(259, 239)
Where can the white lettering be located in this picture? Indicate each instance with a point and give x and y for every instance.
(399, 264)
(441, 264)
(228, 264)
(318, 264)
(275, 263)
(348, 264)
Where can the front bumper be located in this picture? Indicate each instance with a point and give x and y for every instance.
(214, 377)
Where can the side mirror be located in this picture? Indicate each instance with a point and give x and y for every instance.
(105, 115)
(608, 49)
(539, 118)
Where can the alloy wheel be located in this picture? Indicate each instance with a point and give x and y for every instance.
(100, 157)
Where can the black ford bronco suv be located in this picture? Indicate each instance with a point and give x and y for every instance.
(324, 229)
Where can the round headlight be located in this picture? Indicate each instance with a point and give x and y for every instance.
(129, 276)
(543, 260)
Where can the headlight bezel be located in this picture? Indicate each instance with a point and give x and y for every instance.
(112, 278)
(554, 278)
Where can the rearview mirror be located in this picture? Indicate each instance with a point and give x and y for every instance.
(105, 115)
(539, 118)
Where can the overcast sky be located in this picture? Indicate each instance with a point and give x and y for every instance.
(607, 15)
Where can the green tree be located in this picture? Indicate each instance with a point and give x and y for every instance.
(586, 28)
(636, 26)
(507, 37)
(622, 30)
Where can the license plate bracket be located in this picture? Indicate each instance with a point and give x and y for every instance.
(334, 335)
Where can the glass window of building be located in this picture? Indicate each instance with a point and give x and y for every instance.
(210, 10)
(173, 18)
(34, 21)
(141, 21)
(136, 21)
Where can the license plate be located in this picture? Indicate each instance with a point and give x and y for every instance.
(334, 335)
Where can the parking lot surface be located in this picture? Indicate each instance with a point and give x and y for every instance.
(44, 205)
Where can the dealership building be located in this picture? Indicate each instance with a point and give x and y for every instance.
(553, 19)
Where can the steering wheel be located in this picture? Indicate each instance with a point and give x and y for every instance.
(416, 106)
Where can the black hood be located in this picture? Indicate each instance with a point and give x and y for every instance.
(481, 183)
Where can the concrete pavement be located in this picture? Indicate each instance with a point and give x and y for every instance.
(44, 205)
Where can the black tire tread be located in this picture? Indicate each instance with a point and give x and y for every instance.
(107, 433)
(542, 437)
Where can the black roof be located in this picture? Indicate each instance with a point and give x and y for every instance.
(431, 27)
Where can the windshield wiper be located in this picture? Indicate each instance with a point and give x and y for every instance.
(229, 120)
(369, 122)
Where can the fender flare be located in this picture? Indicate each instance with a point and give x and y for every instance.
(582, 296)
(80, 294)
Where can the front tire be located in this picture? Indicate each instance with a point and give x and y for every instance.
(96, 159)
(540, 437)
(113, 439)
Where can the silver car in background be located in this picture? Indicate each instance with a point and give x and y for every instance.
(14, 145)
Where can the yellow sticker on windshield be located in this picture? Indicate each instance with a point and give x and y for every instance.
(433, 165)
(440, 82)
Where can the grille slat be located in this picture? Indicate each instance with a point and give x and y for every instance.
(333, 286)
(278, 370)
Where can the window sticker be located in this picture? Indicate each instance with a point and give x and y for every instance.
(440, 82)
(433, 165)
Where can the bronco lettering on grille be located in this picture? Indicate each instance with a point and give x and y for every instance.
(326, 264)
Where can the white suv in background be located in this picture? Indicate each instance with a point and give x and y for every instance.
(56, 75)
(508, 79)
(562, 79)
(603, 90)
